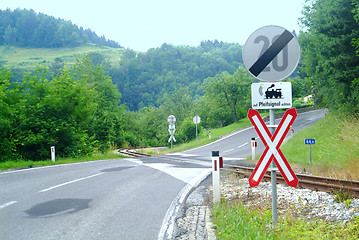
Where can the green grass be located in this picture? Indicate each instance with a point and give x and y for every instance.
(335, 152)
(26, 164)
(237, 222)
(234, 221)
(28, 58)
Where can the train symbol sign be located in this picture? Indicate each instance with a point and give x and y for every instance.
(267, 95)
(272, 150)
(271, 53)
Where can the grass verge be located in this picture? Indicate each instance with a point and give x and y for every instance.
(336, 151)
(335, 154)
(27, 164)
(234, 221)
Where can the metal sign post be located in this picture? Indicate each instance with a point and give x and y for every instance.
(196, 120)
(310, 142)
(273, 174)
(272, 53)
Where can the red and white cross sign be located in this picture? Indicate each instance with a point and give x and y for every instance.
(272, 144)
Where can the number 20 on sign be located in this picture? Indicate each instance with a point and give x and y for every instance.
(271, 53)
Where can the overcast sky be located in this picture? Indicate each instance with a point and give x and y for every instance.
(144, 24)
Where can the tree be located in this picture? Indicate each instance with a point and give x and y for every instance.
(44, 34)
(78, 110)
(9, 35)
(7, 143)
(231, 90)
(105, 125)
(330, 64)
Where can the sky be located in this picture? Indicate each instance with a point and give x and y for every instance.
(143, 24)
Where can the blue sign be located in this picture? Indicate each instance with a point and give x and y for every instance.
(309, 141)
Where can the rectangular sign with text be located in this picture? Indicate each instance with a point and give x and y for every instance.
(276, 95)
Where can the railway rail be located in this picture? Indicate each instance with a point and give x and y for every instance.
(318, 183)
(132, 153)
(325, 184)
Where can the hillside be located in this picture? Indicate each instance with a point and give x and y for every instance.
(145, 79)
(26, 28)
(27, 58)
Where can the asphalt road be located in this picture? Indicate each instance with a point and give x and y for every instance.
(113, 199)
(237, 146)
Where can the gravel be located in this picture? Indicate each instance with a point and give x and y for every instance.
(304, 203)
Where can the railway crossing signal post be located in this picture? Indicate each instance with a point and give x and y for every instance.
(171, 128)
(271, 54)
(196, 120)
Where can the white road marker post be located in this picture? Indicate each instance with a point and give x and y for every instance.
(53, 153)
(254, 145)
(216, 176)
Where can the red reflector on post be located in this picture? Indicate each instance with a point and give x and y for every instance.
(221, 162)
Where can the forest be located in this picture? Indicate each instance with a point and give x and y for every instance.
(95, 105)
(145, 79)
(25, 28)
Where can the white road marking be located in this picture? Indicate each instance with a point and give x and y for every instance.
(73, 181)
(183, 154)
(229, 150)
(243, 145)
(233, 159)
(184, 174)
(221, 139)
(7, 204)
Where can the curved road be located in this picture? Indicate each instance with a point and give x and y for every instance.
(113, 199)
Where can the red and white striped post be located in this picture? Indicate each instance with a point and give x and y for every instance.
(254, 145)
(216, 176)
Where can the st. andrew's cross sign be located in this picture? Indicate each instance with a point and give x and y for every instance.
(272, 144)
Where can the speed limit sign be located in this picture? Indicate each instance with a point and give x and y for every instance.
(271, 53)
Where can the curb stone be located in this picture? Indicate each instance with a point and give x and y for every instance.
(209, 225)
(196, 224)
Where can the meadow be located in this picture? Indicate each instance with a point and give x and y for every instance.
(28, 58)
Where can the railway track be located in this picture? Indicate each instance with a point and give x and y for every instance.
(132, 153)
(318, 183)
(325, 184)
